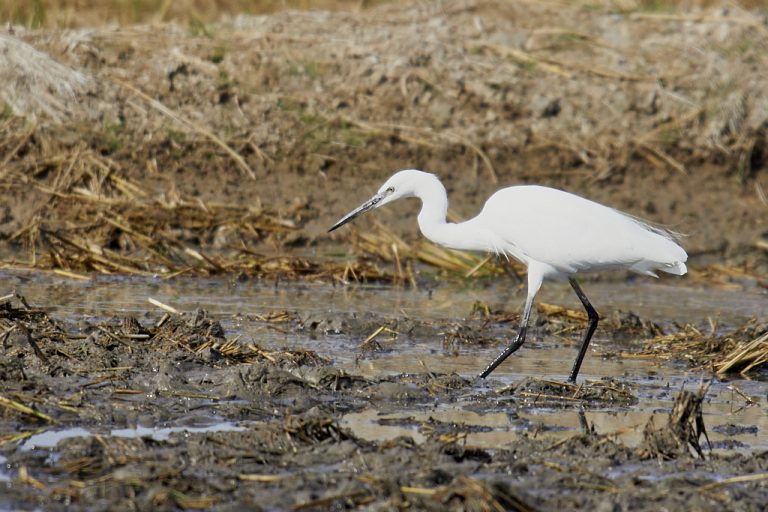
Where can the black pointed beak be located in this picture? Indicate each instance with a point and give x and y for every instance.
(368, 205)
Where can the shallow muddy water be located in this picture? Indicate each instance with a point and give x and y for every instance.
(404, 386)
(732, 422)
(665, 300)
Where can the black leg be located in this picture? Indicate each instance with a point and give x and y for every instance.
(515, 344)
(507, 352)
(593, 319)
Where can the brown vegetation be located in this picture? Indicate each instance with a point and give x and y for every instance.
(275, 116)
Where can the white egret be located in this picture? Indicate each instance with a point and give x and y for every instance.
(554, 233)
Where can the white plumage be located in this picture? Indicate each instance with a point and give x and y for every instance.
(570, 234)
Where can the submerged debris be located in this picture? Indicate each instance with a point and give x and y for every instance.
(466, 335)
(315, 430)
(542, 391)
(239, 352)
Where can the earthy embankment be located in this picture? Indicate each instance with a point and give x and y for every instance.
(254, 134)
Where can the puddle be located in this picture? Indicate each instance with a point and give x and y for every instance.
(50, 438)
(723, 410)
(162, 434)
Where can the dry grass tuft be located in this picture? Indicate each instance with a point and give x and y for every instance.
(745, 357)
(315, 430)
(740, 351)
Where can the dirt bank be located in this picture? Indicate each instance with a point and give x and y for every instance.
(280, 114)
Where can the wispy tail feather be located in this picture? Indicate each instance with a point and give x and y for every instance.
(677, 268)
(649, 268)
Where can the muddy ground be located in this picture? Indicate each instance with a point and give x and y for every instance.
(228, 148)
(289, 450)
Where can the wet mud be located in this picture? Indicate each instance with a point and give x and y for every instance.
(169, 411)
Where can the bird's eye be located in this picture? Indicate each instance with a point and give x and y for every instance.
(390, 190)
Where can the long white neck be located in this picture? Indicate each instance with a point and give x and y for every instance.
(434, 205)
(432, 223)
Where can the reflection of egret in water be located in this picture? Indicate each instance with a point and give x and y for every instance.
(554, 233)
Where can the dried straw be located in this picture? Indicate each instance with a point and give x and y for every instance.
(382, 243)
(745, 356)
(742, 350)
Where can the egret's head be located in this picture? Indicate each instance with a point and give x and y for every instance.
(401, 184)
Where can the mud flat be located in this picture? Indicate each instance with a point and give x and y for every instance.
(311, 408)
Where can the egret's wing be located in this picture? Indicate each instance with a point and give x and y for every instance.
(571, 233)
